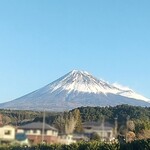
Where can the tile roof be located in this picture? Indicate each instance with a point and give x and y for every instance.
(37, 125)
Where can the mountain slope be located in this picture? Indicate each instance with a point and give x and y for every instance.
(75, 89)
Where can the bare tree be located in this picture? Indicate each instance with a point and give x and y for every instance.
(70, 124)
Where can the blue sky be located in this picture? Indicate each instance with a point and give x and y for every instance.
(41, 40)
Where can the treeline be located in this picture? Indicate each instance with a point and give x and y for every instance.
(120, 111)
(19, 117)
(87, 114)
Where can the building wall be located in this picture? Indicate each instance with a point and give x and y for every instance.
(38, 132)
(20, 131)
(33, 132)
(7, 133)
(37, 139)
(51, 133)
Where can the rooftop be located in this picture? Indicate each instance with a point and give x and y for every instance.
(37, 125)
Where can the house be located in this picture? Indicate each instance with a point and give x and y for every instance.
(7, 134)
(104, 131)
(37, 132)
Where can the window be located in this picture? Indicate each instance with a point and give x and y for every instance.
(34, 131)
(7, 132)
(108, 134)
(89, 128)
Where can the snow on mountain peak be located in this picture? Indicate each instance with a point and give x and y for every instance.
(82, 81)
(77, 72)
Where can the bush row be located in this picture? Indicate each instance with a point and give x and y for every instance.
(94, 145)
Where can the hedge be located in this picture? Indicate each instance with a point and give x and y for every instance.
(94, 145)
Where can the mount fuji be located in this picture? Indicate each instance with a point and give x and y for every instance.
(76, 89)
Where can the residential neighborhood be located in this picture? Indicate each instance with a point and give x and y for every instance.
(40, 132)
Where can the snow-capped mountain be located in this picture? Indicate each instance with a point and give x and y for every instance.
(75, 89)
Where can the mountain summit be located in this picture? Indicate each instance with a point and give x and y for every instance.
(75, 89)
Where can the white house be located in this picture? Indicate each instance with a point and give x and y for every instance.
(105, 132)
(7, 134)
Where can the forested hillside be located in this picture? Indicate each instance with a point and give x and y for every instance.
(121, 112)
(18, 117)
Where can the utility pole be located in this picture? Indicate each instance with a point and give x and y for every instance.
(43, 127)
